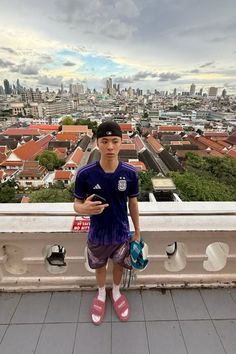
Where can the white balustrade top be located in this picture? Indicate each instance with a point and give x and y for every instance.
(164, 216)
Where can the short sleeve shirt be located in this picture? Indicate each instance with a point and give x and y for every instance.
(112, 225)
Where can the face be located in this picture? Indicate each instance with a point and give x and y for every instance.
(109, 146)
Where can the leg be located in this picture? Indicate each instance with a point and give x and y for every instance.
(116, 295)
(117, 273)
(101, 276)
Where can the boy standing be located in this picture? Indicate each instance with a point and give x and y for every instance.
(108, 236)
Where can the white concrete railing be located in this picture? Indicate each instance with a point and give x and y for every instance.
(205, 232)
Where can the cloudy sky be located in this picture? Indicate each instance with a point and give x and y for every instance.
(159, 44)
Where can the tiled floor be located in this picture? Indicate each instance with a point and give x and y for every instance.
(161, 322)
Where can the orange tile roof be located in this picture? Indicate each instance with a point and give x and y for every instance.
(202, 153)
(74, 137)
(3, 157)
(231, 153)
(3, 149)
(154, 143)
(126, 127)
(50, 127)
(74, 128)
(170, 128)
(139, 165)
(139, 145)
(43, 142)
(76, 156)
(27, 151)
(223, 143)
(63, 175)
(127, 147)
(183, 142)
(215, 134)
(2, 174)
(210, 143)
(21, 132)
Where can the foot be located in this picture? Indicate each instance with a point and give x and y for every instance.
(121, 307)
(97, 310)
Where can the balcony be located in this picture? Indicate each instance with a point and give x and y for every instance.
(185, 303)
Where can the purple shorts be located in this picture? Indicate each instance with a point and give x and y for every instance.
(98, 255)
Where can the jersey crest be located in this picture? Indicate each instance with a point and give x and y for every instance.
(122, 184)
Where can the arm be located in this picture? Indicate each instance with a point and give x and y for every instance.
(134, 213)
(88, 207)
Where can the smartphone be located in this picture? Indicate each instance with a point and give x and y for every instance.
(98, 198)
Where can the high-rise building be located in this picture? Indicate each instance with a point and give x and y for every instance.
(1, 90)
(212, 92)
(224, 93)
(76, 89)
(200, 92)
(109, 86)
(175, 92)
(7, 87)
(192, 90)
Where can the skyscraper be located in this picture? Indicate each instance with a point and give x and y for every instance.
(224, 93)
(192, 89)
(212, 92)
(109, 86)
(7, 87)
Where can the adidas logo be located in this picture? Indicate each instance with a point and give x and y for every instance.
(97, 187)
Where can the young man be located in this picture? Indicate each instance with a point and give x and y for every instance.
(108, 236)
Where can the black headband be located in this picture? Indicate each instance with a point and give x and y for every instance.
(109, 128)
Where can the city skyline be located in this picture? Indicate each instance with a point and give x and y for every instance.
(157, 44)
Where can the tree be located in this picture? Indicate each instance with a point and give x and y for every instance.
(192, 187)
(49, 160)
(145, 180)
(68, 121)
(7, 192)
(51, 195)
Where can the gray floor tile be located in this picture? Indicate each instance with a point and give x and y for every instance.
(189, 305)
(84, 314)
(57, 338)
(64, 307)
(158, 306)
(233, 293)
(20, 339)
(8, 304)
(201, 337)
(136, 306)
(91, 339)
(227, 331)
(165, 338)
(219, 303)
(2, 331)
(129, 337)
(32, 308)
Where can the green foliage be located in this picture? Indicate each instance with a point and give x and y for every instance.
(68, 121)
(7, 192)
(145, 182)
(49, 160)
(207, 179)
(51, 195)
(192, 187)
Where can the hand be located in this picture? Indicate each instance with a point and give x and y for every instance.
(93, 208)
(136, 236)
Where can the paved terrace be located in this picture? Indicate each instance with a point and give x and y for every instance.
(175, 321)
(180, 304)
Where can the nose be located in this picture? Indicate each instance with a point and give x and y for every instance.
(110, 146)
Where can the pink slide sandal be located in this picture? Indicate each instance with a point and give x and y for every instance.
(98, 309)
(120, 305)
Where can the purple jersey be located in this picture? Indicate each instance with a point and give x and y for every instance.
(111, 226)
